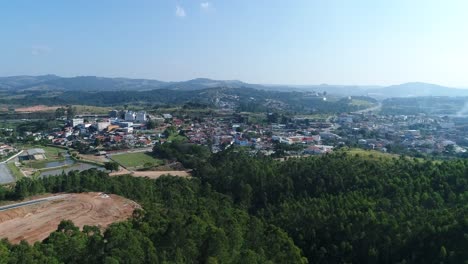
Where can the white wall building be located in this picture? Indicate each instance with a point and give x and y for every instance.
(102, 125)
(140, 117)
(130, 116)
(77, 121)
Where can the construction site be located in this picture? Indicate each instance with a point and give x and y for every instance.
(33, 220)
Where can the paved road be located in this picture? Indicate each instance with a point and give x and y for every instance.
(5, 174)
(12, 206)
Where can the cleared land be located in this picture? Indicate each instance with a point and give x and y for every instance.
(34, 222)
(137, 159)
(36, 108)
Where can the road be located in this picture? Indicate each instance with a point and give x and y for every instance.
(16, 205)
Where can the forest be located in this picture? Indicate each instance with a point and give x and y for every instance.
(244, 99)
(238, 208)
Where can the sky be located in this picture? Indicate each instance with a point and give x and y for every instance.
(355, 42)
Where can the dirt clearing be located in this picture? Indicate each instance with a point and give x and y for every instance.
(35, 222)
(36, 108)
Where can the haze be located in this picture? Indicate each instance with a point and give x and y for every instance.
(275, 42)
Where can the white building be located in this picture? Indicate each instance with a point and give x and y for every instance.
(130, 116)
(140, 116)
(126, 124)
(77, 121)
(102, 125)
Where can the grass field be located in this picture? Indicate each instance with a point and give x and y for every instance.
(87, 109)
(176, 138)
(14, 170)
(133, 160)
(358, 102)
(371, 154)
(375, 155)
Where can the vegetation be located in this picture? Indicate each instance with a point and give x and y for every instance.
(191, 155)
(183, 221)
(438, 105)
(15, 170)
(246, 99)
(338, 208)
(112, 166)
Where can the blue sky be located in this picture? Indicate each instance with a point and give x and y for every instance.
(260, 41)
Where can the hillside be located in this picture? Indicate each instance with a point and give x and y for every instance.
(243, 99)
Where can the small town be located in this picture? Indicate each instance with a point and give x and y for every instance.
(128, 138)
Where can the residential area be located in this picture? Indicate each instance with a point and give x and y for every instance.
(128, 138)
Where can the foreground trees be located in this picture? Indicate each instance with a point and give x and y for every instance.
(242, 209)
(183, 221)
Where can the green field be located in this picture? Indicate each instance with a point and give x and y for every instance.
(358, 102)
(371, 154)
(14, 170)
(377, 155)
(176, 138)
(133, 160)
(87, 109)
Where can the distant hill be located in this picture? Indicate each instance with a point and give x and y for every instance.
(414, 89)
(203, 83)
(13, 82)
(94, 83)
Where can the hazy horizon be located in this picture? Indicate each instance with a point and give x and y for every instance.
(301, 43)
(265, 84)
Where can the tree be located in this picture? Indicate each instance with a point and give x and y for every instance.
(151, 124)
(112, 166)
(59, 112)
(71, 112)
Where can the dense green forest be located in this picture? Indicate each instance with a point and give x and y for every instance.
(237, 208)
(244, 99)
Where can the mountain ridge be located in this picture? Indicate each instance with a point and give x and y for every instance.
(96, 83)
